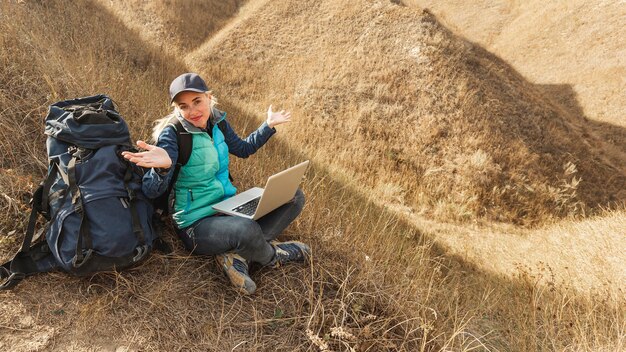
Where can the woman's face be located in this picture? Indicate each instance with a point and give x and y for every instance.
(194, 107)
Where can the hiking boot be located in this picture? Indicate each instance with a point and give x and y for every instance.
(236, 268)
(290, 251)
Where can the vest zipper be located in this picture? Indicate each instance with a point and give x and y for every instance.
(189, 199)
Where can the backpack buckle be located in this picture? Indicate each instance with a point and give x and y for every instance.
(142, 252)
(4, 272)
(131, 193)
(12, 280)
(79, 208)
(78, 262)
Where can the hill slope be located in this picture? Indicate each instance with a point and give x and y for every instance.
(175, 302)
(575, 42)
(373, 275)
(169, 24)
(419, 116)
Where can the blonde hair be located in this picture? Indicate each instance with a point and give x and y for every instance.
(160, 124)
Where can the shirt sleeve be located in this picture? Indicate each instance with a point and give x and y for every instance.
(243, 148)
(155, 184)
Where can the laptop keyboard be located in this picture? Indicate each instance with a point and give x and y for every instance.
(249, 207)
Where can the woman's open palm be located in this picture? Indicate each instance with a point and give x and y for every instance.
(153, 156)
(275, 118)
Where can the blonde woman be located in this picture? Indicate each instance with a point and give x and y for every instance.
(204, 181)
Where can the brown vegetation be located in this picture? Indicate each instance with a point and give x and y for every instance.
(390, 98)
(578, 44)
(376, 282)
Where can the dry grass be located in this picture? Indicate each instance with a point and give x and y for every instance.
(140, 309)
(545, 42)
(387, 96)
(172, 24)
(44, 63)
(376, 282)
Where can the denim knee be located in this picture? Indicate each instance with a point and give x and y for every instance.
(299, 199)
(248, 235)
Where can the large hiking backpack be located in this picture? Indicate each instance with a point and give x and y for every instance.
(97, 217)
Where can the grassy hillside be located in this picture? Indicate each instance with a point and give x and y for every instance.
(46, 57)
(579, 43)
(169, 24)
(376, 283)
(573, 51)
(418, 116)
(170, 303)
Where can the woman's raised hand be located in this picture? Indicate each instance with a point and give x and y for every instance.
(278, 117)
(153, 156)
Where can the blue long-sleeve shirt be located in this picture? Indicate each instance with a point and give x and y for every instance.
(155, 184)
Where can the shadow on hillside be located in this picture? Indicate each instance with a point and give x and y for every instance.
(563, 95)
(566, 98)
(51, 304)
(597, 146)
(521, 298)
(193, 22)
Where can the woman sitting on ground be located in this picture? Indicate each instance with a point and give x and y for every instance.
(204, 181)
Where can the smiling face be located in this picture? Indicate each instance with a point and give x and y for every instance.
(194, 107)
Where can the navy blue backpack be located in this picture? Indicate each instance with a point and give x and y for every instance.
(97, 217)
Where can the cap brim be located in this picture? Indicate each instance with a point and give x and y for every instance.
(187, 90)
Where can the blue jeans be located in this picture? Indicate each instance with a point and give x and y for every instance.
(249, 238)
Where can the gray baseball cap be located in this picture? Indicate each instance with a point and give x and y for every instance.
(187, 82)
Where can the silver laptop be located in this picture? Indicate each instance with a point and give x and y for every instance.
(256, 202)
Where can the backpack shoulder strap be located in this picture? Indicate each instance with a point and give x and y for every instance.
(185, 143)
(222, 126)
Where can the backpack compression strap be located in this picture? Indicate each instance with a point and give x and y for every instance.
(84, 233)
(142, 248)
(24, 263)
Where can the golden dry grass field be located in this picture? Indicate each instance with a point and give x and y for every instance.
(456, 202)
(574, 50)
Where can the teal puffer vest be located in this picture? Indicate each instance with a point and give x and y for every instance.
(203, 181)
